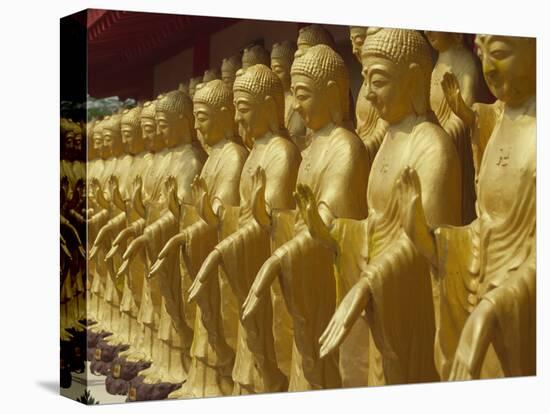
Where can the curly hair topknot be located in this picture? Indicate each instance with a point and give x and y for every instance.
(260, 81)
(175, 102)
(131, 117)
(112, 123)
(214, 93)
(315, 34)
(232, 63)
(148, 110)
(400, 46)
(284, 50)
(255, 55)
(322, 64)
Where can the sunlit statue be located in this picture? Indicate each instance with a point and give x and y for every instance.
(455, 57)
(370, 128)
(266, 184)
(487, 269)
(397, 69)
(168, 333)
(335, 167)
(229, 69)
(255, 55)
(282, 55)
(216, 194)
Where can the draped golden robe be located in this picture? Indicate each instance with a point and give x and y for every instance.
(256, 366)
(494, 257)
(335, 167)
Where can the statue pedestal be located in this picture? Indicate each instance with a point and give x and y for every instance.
(121, 373)
(140, 391)
(104, 355)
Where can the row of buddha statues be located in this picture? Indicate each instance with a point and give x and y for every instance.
(255, 233)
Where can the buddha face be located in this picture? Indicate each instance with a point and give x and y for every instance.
(77, 142)
(387, 88)
(153, 141)
(132, 143)
(509, 67)
(357, 37)
(170, 127)
(97, 142)
(250, 116)
(311, 102)
(441, 41)
(281, 68)
(209, 124)
(109, 143)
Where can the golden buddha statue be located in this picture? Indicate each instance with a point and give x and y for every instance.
(255, 55)
(282, 55)
(261, 353)
(397, 69)
(193, 82)
(455, 57)
(487, 269)
(168, 332)
(370, 128)
(216, 192)
(229, 69)
(335, 167)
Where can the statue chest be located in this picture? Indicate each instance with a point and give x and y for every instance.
(509, 160)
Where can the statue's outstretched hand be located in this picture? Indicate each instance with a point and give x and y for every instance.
(170, 247)
(259, 207)
(413, 218)
(171, 187)
(137, 245)
(351, 307)
(206, 272)
(137, 196)
(261, 286)
(309, 211)
(476, 336)
(451, 90)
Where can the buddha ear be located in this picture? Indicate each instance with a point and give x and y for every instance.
(333, 94)
(226, 115)
(271, 113)
(417, 88)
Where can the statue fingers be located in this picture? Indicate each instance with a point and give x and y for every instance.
(123, 268)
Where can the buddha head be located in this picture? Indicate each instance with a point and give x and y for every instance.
(209, 75)
(97, 138)
(357, 36)
(112, 139)
(193, 82)
(259, 103)
(397, 67)
(92, 152)
(442, 41)
(214, 112)
(313, 35)
(229, 69)
(320, 86)
(130, 128)
(153, 141)
(509, 66)
(77, 146)
(174, 118)
(282, 55)
(255, 55)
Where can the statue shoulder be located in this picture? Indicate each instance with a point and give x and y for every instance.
(430, 135)
(285, 146)
(348, 141)
(236, 152)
